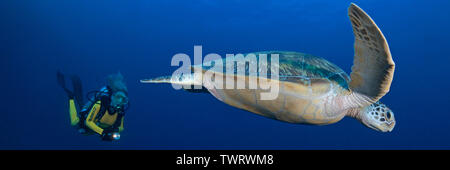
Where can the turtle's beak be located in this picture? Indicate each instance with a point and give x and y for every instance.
(390, 125)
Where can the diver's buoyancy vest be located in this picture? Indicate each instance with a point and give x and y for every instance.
(104, 95)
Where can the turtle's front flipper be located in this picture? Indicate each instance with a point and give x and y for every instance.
(162, 79)
(373, 67)
(187, 81)
(180, 79)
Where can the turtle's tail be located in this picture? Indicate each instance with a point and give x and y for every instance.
(181, 79)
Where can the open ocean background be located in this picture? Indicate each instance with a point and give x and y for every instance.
(138, 38)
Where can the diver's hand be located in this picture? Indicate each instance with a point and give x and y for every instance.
(110, 135)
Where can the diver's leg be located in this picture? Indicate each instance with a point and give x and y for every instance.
(74, 119)
(82, 129)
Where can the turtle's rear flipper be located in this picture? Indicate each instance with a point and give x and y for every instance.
(77, 89)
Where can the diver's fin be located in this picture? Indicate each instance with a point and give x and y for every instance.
(77, 89)
(62, 82)
(60, 79)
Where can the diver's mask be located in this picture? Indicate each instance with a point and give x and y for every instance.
(119, 101)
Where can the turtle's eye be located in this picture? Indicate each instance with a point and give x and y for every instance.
(389, 115)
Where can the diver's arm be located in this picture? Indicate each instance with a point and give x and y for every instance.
(73, 113)
(91, 116)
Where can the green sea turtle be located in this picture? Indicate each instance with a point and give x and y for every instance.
(315, 91)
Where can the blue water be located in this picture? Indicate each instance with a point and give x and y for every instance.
(138, 38)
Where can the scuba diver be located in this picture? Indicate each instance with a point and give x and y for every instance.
(104, 113)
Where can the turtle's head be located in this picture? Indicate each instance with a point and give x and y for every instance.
(378, 116)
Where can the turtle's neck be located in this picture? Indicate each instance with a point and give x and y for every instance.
(355, 113)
